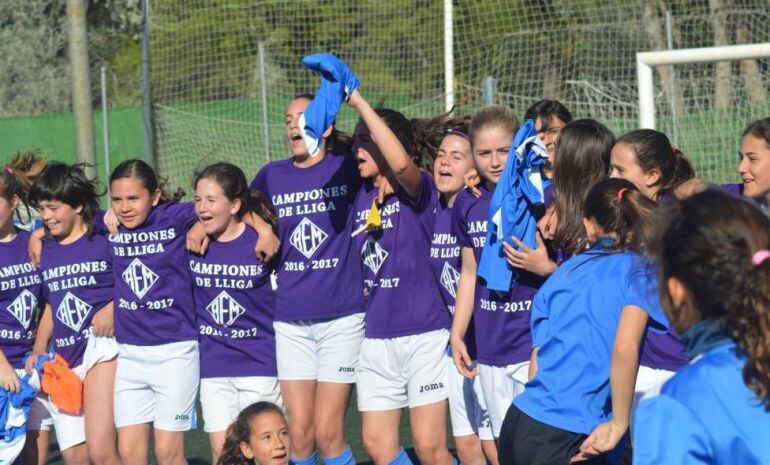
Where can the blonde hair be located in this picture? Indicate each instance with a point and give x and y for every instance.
(494, 115)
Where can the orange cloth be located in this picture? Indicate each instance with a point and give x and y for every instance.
(62, 385)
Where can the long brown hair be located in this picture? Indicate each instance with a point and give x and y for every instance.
(708, 242)
(582, 160)
(18, 176)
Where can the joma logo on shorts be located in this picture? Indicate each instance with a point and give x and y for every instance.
(181, 417)
(431, 387)
(347, 370)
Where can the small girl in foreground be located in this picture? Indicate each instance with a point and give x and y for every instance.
(259, 436)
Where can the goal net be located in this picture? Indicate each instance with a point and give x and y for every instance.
(223, 71)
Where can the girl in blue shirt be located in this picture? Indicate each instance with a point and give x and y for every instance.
(588, 322)
(713, 252)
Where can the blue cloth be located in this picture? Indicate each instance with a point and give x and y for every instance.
(345, 458)
(309, 460)
(337, 83)
(401, 459)
(705, 414)
(516, 204)
(20, 402)
(575, 318)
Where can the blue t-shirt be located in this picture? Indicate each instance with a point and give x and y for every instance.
(705, 414)
(575, 317)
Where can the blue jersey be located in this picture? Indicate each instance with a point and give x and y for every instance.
(705, 414)
(575, 317)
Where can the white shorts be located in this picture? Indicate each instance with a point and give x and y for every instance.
(222, 399)
(500, 386)
(70, 429)
(649, 380)
(322, 350)
(467, 408)
(403, 371)
(158, 385)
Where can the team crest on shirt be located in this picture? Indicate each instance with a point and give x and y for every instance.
(139, 277)
(224, 309)
(449, 279)
(72, 311)
(22, 307)
(307, 237)
(373, 254)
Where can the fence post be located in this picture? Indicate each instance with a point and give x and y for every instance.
(263, 85)
(489, 91)
(105, 125)
(147, 119)
(672, 86)
(449, 59)
(81, 84)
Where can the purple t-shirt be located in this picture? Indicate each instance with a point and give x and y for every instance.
(153, 286)
(404, 296)
(502, 318)
(446, 261)
(235, 308)
(734, 189)
(319, 275)
(77, 282)
(20, 290)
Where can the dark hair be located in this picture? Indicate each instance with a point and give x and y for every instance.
(654, 151)
(338, 142)
(759, 129)
(420, 138)
(68, 184)
(233, 183)
(135, 168)
(240, 430)
(18, 175)
(618, 208)
(545, 109)
(707, 242)
(582, 160)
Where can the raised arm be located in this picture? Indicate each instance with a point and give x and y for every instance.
(394, 155)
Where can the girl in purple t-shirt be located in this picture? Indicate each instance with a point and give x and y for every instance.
(76, 270)
(319, 303)
(501, 319)
(234, 303)
(467, 409)
(20, 289)
(402, 361)
(647, 159)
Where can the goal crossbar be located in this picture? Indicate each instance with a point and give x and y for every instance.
(646, 61)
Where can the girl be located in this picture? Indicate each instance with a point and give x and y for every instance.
(550, 118)
(713, 252)
(583, 159)
(658, 168)
(259, 436)
(587, 326)
(403, 361)
(319, 319)
(754, 165)
(20, 292)
(234, 303)
(470, 421)
(76, 268)
(501, 319)
(647, 159)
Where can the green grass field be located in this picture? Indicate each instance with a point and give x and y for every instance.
(198, 452)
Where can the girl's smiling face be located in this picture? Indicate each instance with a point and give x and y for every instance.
(754, 165)
(269, 442)
(131, 201)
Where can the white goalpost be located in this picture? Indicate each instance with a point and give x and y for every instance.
(646, 61)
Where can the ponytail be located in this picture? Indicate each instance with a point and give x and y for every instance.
(620, 209)
(427, 135)
(713, 243)
(654, 151)
(17, 177)
(239, 432)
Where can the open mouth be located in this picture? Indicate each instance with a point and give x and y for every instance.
(295, 137)
(280, 457)
(205, 218)
(444, 174)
